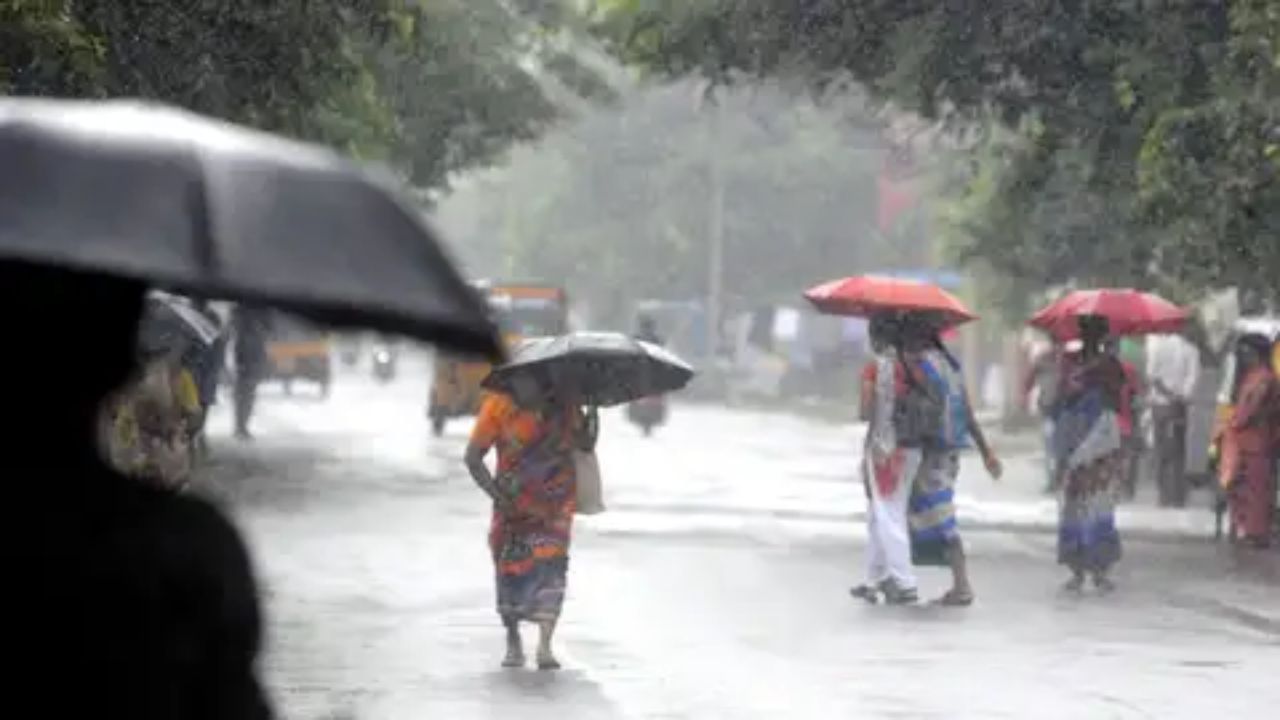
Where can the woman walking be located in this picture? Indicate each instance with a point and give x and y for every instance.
(887, 471)
(534, 498)
(1248, 470)
(935, 533)
(1090, 458)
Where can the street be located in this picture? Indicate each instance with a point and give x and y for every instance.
(716, 586)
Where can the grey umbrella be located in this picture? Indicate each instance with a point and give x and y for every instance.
(602, 368)
(147, 191)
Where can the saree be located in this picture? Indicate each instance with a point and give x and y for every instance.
(1091, 458)
(529, 539)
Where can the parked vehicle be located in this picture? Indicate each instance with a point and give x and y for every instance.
(522, 310)
(299, 350)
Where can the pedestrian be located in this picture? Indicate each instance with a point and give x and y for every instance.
(123, 600)
(1127, 417)
(936, 381)
(1248, 469)
(1090, 458)
(250, 329)
(1173, 370)
(534, 498)
(1042, 382)
(887, 474)
(151, 418)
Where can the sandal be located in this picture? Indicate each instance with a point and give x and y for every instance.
(548, 662)
(955, 598)
(513, 660)
(1074, 585)
(865, 592)
(1104, 584)
(895, 594)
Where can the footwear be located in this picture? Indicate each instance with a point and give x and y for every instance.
(865, 592)
(895, 594)
(955, 598)
(547, 661)
(1074, 585)
(513, 659)
(1104, 584)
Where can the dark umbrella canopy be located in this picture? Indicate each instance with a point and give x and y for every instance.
(600, 368)
(169, 323)
(150, 192)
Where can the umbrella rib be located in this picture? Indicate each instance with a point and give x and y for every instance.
(202, 218)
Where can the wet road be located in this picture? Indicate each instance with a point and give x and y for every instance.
(714, 588)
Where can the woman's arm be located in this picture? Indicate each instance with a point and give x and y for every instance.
(480, 474)
(586, 428)
(994, 466)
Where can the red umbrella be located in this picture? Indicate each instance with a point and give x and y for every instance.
(1129, 312)
(866, 295)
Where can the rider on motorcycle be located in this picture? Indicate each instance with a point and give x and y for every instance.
(648, 331)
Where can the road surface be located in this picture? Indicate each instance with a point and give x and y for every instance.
(715, 586)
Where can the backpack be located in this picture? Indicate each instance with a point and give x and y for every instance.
(933, 414)
(919, 412)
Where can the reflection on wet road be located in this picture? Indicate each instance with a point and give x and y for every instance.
(715, 587)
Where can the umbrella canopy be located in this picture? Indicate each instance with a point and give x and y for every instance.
(1128, 312)
(867, 295)
(169, 322)
(149, 192)
(602, 368)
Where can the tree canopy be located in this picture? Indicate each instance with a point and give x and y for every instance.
(1138, 140)
(430, 87)
(618, 204)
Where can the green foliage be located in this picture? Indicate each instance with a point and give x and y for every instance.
(618, 205)
(432, 87)
(1139, 140)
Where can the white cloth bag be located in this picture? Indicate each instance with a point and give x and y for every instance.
(587, 476)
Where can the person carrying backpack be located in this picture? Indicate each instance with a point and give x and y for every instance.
(935, 416)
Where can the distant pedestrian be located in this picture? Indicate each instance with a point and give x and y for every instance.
(250, 328)
(1173, 370)
(1041, 382)
(1248, 469)
(1090, 458)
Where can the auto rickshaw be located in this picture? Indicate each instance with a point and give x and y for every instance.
(522, 310)
(299, 350)
(1268, 327)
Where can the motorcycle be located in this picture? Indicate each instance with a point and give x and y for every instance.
(384, 362)
(648, 413)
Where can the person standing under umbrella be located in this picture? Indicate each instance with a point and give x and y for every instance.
(1090, 457)
(1248, 469)
(249, 328)
(888, 471)
(534, 493)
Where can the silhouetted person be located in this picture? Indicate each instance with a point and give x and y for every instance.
(647, 330)
(249, 327)
(121, 599)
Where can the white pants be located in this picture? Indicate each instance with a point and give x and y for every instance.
(888, 534)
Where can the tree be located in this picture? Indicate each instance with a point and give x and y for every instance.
(617, 204)
(429, 87)
(1136, 136)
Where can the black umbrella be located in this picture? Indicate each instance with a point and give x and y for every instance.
(169, 322)
(146, 191)
(602, 368)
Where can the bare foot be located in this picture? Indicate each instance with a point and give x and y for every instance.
(547, 661)
(514, 658)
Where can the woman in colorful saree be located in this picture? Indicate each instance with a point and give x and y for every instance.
(1090, 457)
(1248, 470)
(534, 498)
